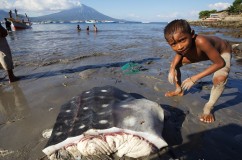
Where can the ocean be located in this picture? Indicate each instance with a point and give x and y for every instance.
(55, 63)
(47, 44)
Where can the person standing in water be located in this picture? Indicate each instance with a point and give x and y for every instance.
(78, 27)
(95, 28)
(6, 55)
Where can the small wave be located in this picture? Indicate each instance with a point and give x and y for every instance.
(58, 61)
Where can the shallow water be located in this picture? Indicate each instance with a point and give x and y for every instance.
(47, 44)
(35, 100)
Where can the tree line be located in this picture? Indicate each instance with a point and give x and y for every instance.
(235, 8)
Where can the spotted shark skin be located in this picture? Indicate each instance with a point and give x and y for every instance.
(104, 111)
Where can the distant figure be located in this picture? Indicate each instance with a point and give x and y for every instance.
(10, 14)
(16, 13)
(95, 28)
(8, 24)
(27, 17)
(87, 28)
(6, 56)
(78, 27)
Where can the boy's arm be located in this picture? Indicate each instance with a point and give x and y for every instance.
(217, 62)
(172, 72)
(212, 53)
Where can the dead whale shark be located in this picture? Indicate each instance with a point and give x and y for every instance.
(106, 121)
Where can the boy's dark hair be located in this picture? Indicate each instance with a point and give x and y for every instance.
(175, 25)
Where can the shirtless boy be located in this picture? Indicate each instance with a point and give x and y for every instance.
(6, 56)
(192, 48)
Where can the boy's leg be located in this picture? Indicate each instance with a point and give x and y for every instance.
(11, 76)
(219, 81)
(216, 92)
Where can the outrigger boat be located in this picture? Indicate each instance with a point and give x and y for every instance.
(19, 22)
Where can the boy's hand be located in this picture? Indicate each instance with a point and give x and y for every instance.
(187, 84)
(172, 76)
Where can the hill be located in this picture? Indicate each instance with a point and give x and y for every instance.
(3, 15)
(80, 13)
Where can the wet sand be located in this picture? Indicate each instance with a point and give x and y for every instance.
(31, 105)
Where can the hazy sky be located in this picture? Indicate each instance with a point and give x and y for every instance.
(141, 10)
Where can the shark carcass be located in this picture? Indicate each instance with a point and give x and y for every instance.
(106, 121)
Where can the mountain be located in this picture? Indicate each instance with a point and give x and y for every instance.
(3, 15)
(80, 13)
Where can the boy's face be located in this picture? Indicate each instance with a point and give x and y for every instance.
(180, 42)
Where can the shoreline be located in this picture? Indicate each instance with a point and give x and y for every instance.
(234, 28)
(38, 100)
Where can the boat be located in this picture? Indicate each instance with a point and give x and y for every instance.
(19, 21)
(17, 24)
(107, 21)
(91, 21)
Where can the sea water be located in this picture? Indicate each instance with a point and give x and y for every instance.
(46, 44)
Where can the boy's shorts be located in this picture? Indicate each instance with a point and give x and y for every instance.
(5, 55)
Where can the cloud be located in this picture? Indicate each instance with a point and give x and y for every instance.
(194, 13)
(168, 16)
(39, 5)
(219, 6)
(132, 15)
(191, 15)
(5, 4)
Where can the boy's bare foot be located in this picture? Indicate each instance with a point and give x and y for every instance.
(174, 93)
(207, 118)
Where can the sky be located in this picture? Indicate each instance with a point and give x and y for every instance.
(136, 10)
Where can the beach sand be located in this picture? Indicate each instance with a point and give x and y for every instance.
(31, 105)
